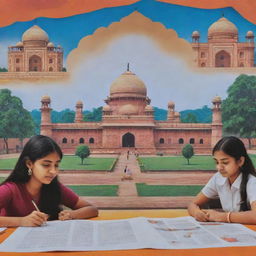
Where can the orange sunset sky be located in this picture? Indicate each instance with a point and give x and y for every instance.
(24, 10)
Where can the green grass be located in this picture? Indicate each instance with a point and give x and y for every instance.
(177, 163)
(8, 164)
(2, 179)
(70, 163)
(167, 190)
(163, 163)
(74, 163)
(95, 190)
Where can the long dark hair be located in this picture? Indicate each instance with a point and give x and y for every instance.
(235, 148)
(36, 148)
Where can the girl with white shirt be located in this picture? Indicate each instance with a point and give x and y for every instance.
(234, 184)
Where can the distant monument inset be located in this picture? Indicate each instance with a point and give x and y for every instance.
(34, 57)
(223, 50)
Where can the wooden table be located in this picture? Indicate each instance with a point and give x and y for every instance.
(123, 214)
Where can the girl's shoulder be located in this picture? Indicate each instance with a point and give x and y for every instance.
(252, 179)
(10, 186)
(218, 179)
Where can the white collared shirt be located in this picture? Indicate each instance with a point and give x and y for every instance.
(219, 187)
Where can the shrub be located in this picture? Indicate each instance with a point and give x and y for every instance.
(83, 152)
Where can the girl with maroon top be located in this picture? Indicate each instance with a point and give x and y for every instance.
(34, 181)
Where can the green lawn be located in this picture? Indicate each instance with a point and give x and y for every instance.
(95, 190)
(8, 164)
(177, 163)
(74, 163)
(167, 190)
(180, 163)
(71, 163)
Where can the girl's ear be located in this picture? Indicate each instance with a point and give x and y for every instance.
(241, 161)
(29, 164)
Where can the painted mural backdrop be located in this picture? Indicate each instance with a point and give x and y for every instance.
(90, 43)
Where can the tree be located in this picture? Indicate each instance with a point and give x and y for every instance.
(95, 115)
(68, 117)
(15, 121)
(83, 152)
(190, 118)
(188, 152)
(239, 108)
(3, 70)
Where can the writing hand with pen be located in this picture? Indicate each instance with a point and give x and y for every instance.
(34, 219)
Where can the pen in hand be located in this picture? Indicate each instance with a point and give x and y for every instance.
(35, 206)
(33, 202)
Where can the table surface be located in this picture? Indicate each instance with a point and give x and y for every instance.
(123, 214)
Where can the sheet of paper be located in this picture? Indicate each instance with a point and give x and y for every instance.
(2, 230)
(124, 234)
(185, 233)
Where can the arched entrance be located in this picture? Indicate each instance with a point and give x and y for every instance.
(128, 140)
(222, 59)
(35, 63)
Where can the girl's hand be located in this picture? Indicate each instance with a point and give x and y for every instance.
(65, 215)
(217, 216)
(201, 215)
(34, 219)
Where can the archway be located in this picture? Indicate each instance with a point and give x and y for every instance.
(35, 63)
(128, 140)
(222, 59)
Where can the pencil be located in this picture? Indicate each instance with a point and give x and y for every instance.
(35, 206)
(33, 202)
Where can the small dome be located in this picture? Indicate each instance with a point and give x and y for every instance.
(19, 44)
(195, 34)
(46, 99)
(128, 109)
(35, 33)
(249, 34)
(106, 108)
(171, 104)
(50, 44)
(222, 25)
(216, 99)
(177, 114)
(128, 83)
(79, 104)
(149, 108)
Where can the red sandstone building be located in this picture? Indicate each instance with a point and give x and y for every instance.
(128, 122)
(223, 48)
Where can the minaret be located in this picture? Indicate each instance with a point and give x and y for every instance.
(250, 47)
(46, 123)
(79, 112)
(195, 37)
(196, 47)
(216, 120)
(171, 112)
